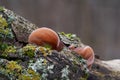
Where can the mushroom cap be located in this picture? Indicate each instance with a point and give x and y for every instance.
(44, 36)
(86, 52)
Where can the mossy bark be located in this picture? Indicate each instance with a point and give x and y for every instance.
(64, 65)
(21, 27)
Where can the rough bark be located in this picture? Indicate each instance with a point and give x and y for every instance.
(65, 63)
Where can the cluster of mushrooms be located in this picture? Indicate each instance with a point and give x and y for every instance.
(46, 36)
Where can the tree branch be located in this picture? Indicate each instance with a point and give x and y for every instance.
(20, 60)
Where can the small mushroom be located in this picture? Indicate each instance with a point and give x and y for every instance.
(86, 52)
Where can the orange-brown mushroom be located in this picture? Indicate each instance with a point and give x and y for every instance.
(45, 36)
(86, 52)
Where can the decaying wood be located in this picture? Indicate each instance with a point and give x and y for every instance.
(101, 70)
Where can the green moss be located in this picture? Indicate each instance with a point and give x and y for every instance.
(5, 30)
(24, 77)
(35, 75)
(3, 22)
(3, 46)
(12, 69)
(30, 75)
(47, 46)
(1, 8)
(15, 71)
(29, 50)
(13, 66)
(69, 35)
(10, 49)
(5, 49)
(45, 51)
(69, 39)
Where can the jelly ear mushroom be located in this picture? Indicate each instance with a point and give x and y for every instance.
(85, 52)
(46, 36)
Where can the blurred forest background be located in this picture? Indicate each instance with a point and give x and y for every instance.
(96, 22)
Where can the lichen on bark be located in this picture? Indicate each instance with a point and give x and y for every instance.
(23, 61)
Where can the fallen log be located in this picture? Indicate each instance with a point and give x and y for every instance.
(23, 61)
